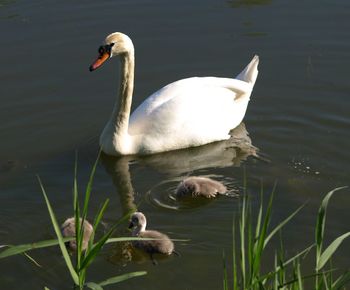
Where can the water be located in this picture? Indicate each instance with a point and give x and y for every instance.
(51, 106)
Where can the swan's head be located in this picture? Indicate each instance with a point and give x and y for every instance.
(115, 44)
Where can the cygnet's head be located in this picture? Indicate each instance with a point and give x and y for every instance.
(115, 44)
(138, 220)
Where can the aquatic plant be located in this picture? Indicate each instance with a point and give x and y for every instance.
(83, 258)
(286, 273)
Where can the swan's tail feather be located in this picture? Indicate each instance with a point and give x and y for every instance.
(250, 73)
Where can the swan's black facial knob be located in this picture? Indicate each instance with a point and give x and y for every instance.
(104, 52)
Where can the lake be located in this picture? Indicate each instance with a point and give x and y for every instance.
(52, 107)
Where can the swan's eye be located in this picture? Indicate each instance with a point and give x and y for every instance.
(101, 49)
(105, 48)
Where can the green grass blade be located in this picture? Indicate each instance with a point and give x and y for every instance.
(275, 274)
(76, 207)
(242, 233)
(341, 281)
(59, 236)
(75, 185)
(286, 263)
(89, 186)
(97, 221)
(259, 218)
(234, 262)
(121, 278)
(320, 223)
(299, 276)
(262, 236)
(326, 281)
(225, 279)
(281, 225)
(78, 237)
(307, 277)
(32, 260)
(96, 248)
(327, 254)
(93, 286)
(20, 249)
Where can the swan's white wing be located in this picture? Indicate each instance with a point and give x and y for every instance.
(190, 85)
(191, 112)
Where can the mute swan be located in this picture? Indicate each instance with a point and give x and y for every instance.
(162, 244)
(68, 230)
(186, 113)
(200, 186)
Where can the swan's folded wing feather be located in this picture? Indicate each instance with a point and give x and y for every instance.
(182, 92)
(240, 88)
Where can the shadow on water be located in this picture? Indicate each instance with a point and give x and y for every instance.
(177, 164)
(219, 154)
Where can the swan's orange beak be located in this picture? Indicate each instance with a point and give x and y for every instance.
(99, 61)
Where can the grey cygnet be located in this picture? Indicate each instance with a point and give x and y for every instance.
(194, 186)
(68, 230)
(162, 243)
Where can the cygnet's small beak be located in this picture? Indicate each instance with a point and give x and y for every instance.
(99, 61)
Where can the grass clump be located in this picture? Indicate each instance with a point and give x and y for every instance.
(286, 274)
(78, 263)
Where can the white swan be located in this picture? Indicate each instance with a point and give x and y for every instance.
(187, 113)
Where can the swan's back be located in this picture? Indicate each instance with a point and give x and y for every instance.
(192, 111)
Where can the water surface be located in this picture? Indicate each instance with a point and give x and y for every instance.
(51, 106)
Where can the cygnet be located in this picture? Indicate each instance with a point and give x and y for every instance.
(161, 243)
(68, 230)
(194, 186)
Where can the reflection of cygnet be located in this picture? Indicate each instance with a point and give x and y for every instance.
(68, 230)
(199, 186)
(162, 244)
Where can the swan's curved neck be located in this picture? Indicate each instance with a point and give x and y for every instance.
(122, 109)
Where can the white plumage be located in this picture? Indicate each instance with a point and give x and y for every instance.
(186, 113)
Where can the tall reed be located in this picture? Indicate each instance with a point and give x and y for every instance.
(287, 274)
(83, 258)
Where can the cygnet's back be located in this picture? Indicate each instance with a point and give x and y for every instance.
(68, 230)
(200, 186)
(162, 244)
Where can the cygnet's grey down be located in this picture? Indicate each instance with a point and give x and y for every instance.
(194, 186)
(161, 243)
(68, 230)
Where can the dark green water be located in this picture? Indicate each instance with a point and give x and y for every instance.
(51, 106)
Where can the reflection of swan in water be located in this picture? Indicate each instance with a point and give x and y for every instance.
(219, 154)
(118, 169)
